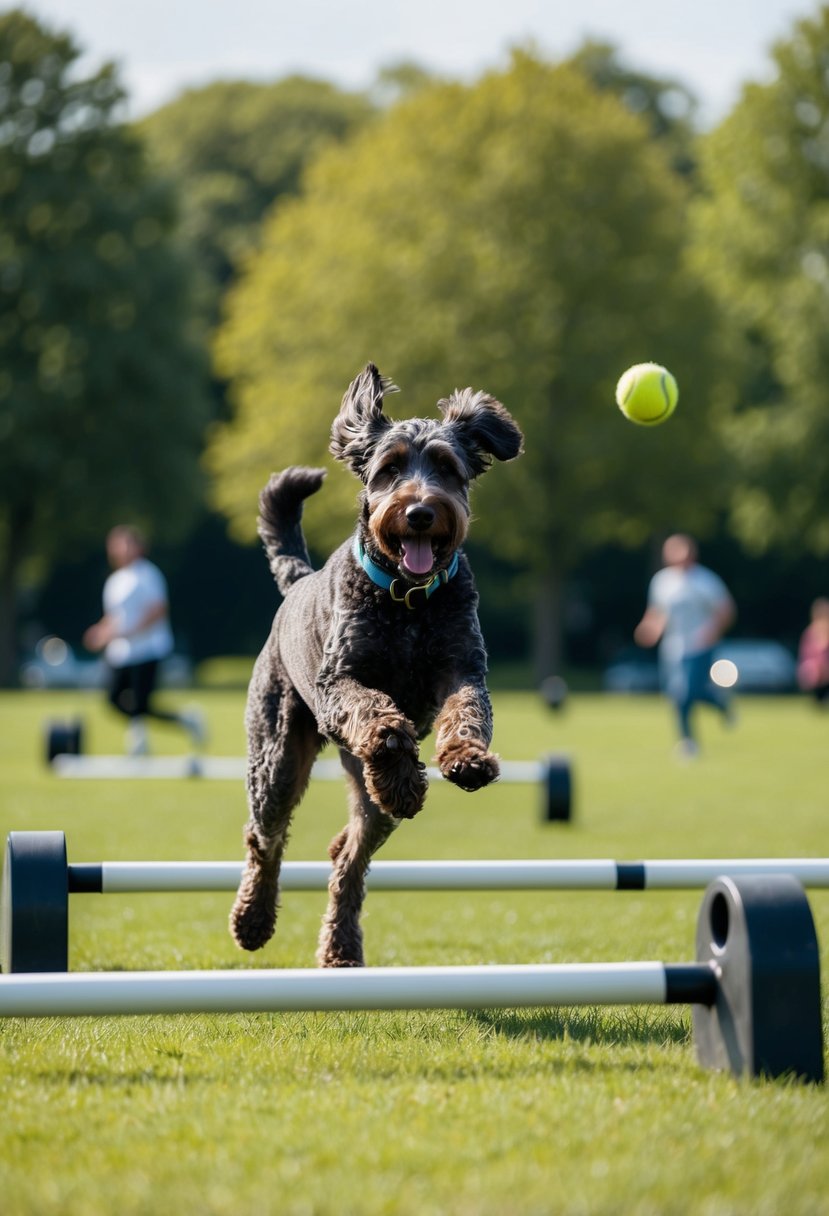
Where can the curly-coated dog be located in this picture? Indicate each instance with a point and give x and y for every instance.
(372, 651)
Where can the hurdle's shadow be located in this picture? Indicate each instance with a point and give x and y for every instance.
(593, 1025)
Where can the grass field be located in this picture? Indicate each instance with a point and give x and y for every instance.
(564, 1111)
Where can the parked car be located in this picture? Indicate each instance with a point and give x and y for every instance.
(632, 670)
(54, 664)
(763, 666)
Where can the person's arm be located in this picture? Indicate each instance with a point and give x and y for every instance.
(99, 635)
(651, 627)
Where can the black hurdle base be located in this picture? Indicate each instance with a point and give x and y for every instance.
(758, 935)
(34, 903)
(556, 789)
(554, 692)
(63, 738)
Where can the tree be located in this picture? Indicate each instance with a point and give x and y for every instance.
(400, 79)
(524, 235)
(762, 241)
(666, 104)
(102, 400)
(233, 148)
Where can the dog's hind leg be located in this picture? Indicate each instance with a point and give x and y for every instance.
(283, 742)
(341, 938)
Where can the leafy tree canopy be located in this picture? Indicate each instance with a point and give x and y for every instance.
(524, 235)
(102, 407)
(234, 147)
(398, 80)
(762, 241)
(667, 105)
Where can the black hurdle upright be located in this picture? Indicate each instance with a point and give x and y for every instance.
(556, 789)
(758, 936)
(34, 903)
(63, 738)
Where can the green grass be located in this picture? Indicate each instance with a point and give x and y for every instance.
(529, 1111)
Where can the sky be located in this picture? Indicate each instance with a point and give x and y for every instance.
(166, 46)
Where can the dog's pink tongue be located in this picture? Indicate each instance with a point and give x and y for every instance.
(417, 554)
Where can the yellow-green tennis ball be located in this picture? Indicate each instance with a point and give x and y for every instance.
(647, 394)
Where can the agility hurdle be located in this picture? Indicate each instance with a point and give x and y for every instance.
(755, 988)
(38, 879)
(552, 774)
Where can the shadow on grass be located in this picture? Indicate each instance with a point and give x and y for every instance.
(633, 1026)
(132, 1079)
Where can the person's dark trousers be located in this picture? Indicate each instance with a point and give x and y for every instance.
(130, 690)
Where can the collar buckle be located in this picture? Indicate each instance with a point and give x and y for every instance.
(426, 588)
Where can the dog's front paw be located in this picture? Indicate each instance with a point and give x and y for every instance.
(394, 774)
(469, 769)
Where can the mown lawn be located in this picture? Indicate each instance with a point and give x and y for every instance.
(572, 1111)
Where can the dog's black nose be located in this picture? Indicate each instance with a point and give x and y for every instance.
(419, 516)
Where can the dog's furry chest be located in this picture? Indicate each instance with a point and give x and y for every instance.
(400, 652)
(336, 624)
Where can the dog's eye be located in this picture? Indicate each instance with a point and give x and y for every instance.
(391, 470)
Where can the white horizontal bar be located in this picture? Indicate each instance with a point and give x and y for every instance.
(516, 875)
(229, 768)
(481, 987)
(119, 877)
(688, 874)
(123, 876)
(148, 767)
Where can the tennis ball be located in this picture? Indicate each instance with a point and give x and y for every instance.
(647, 394)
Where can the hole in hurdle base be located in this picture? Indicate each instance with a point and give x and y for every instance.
(719, 918)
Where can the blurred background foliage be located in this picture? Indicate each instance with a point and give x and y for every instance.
(184, 300)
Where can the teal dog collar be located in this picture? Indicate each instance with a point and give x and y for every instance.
(399, 591)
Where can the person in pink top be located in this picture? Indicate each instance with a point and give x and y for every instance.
(813, 653)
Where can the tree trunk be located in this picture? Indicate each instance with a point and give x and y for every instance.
(8, 622)
(18, 535)
(549, 627)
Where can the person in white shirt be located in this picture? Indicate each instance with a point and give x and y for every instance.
(688, 610)
(135, 635)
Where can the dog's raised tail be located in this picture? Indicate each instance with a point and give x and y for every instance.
(280, 523)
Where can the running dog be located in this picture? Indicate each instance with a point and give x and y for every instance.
(371, 652)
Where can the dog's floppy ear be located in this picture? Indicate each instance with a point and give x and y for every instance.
(484, 428)
(361, 420)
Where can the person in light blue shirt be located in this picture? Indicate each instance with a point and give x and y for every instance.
(689, 608)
